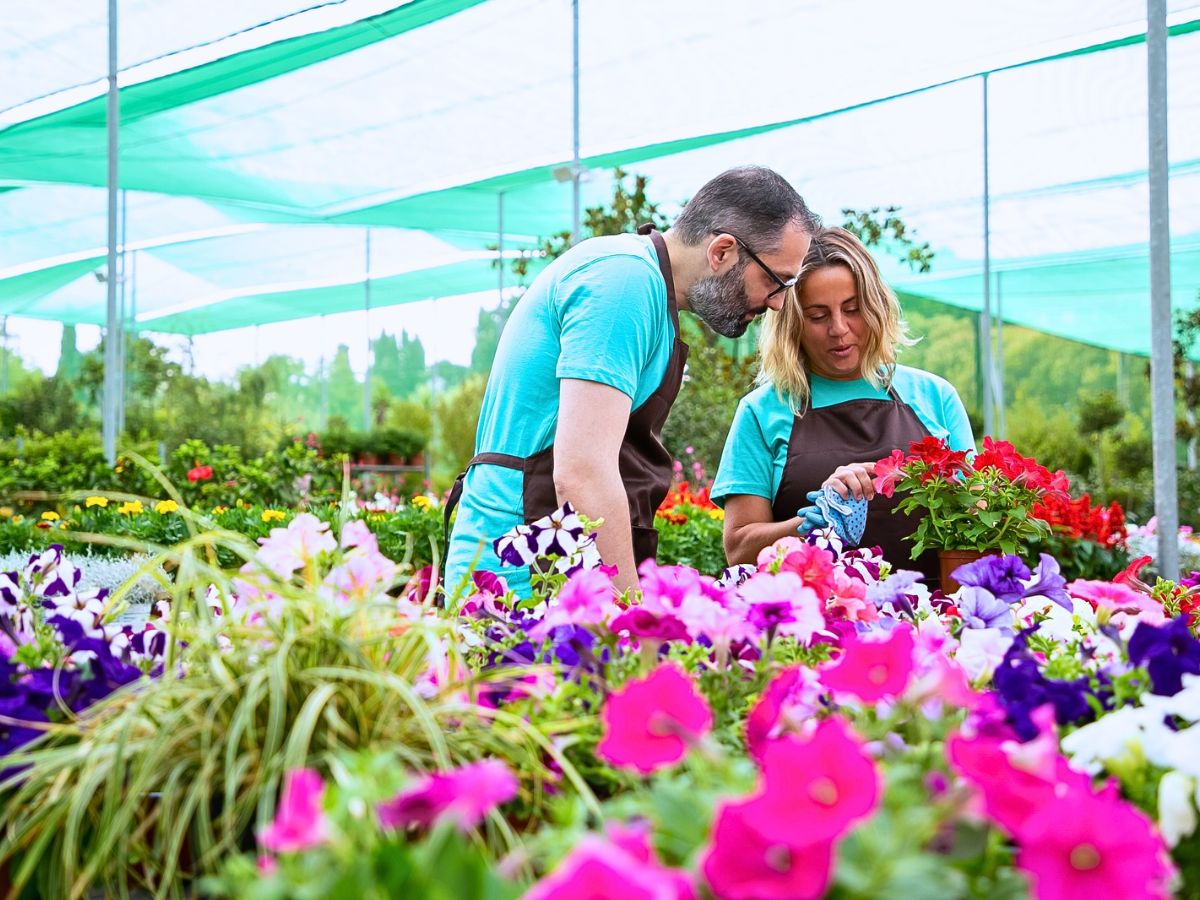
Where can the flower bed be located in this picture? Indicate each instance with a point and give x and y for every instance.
(818, 723)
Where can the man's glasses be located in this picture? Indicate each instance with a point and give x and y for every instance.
(783, 285)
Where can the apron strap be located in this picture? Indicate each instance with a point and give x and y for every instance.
(479, 459)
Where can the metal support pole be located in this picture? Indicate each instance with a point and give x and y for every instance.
(1189, 369)
(112, 358)
(122, 344)
(575, 168)
(367, 326)
(985, 316)
(1161, 356)
(3, 356)
(1001, 419)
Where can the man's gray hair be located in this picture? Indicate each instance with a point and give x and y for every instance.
(753, 202)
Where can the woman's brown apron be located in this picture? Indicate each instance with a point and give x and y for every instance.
(855, 431)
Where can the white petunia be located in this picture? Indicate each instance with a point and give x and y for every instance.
(1177, 799)
(980, 650)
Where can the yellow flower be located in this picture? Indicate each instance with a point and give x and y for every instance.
(240, 503)
(6, 512)
(718, 514)
(17, 520)
(50, 516)
(421, 502)
(96, 501)
(166, 506)
(272, 515)
(217, 510)
(131, 507)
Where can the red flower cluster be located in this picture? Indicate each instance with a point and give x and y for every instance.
(200, 473)
(681, 494)
(942, 461)
(1026, 470)
(1081, 520)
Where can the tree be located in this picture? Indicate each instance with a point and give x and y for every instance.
(345, 393)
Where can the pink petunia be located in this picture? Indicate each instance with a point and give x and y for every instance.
(815, 567)
(1122, 602)
(872, 668)
(814, 790)
(888, 473)
(597, 869)
(792, 696)
(1016, 780)
(773, 555)
(650, 722)
(463, 795)
(586, 599)
(1083, 844)
(783, 604)
(849, 600)
(299, 823)
(741, 863)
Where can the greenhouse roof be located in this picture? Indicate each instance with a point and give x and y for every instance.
(253, 163)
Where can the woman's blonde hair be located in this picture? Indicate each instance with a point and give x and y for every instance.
(783, 362)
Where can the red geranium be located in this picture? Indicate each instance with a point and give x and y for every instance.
(199, 473)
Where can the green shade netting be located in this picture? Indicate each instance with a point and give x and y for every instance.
(426, 284)
(445, 129)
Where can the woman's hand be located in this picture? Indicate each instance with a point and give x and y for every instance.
(855, 480)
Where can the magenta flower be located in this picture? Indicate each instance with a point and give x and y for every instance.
(641, 623)
(1017, 780)
(783, 604)
(650, 722)
(813, 791)
(299, 822)
(586, 599)
(741, 863)
(597, 869)
(815, 567)
(1117, 599)
(463, 796)
(872, 668)
(1084, 845)
(793, 695)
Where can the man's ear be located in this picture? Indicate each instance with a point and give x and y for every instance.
(722, 250)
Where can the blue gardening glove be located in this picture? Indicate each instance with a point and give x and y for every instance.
(848, 517)
(810, 519)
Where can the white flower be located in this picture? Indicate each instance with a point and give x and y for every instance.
(980, 650)
(1130, 729)
(1177, 800)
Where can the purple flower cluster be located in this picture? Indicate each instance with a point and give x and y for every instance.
(57, 657)
(1021, 687)
(1168, 651)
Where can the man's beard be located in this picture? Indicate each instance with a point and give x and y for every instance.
(721, 302)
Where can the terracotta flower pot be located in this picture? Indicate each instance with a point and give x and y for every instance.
(949, 560)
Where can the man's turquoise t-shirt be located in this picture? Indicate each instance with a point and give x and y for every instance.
(757, 446)
(597, 313)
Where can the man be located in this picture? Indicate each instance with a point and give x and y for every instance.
(590, 362)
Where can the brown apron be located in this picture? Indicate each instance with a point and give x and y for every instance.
(645, 464)
(855, 431)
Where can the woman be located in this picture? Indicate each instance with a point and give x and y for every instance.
(831, 401)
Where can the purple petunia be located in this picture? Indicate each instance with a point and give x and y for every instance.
(1008, 578)
(1002, 576)
(1021, 687)
(980, 608)
(1168, 651)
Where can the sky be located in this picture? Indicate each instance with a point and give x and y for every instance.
(220, 355)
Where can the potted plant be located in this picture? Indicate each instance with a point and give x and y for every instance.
(969, 507)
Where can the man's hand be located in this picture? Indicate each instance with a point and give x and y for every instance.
(592, 418)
